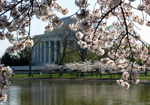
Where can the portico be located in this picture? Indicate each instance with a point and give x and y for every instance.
(47, 48)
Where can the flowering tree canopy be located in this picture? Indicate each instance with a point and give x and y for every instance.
(124, 43)
(5, 73)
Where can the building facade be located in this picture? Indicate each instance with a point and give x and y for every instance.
(47, 47)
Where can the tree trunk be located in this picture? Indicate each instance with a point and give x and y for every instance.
(83, 54)
(62, 60)
(30, 67)
(82, 74)
(63, 55)
(30, 61)
(100, 74)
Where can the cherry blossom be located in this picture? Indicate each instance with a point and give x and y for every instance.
(92, 28)
(5, 73)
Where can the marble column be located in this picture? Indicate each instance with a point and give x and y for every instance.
(49, 51)
(45, 55)
(55, 51)
(37, 53)
(40, 51)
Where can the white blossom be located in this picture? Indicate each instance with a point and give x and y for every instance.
(125, 85)
(125, 75)
(29, 43)
(135, 81)
(120, 82)
(79, 35)
(3, 98)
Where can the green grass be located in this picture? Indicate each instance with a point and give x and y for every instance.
(74, 76)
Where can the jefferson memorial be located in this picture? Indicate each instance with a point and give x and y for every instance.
(48, 46)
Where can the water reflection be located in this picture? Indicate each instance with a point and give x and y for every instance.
(44, 92)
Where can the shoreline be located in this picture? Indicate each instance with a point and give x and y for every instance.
(73, 79)
(66, 79)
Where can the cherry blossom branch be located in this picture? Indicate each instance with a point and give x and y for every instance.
(103, 17)
(11, 7)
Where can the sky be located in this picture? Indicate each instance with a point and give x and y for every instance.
(38, 27)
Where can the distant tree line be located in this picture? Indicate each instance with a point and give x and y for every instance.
(14, 60)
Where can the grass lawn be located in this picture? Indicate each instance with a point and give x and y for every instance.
(75, 76)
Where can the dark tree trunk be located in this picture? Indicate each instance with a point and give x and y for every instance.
(63, 53)
(71, 73)
(82, 74)
(30, 66)
(30, 61)
(91, 74)
(100, 74)
(77, 75)
(83, 54)
(97, 71)
(62, 59)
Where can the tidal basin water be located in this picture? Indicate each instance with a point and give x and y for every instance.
(48, 92)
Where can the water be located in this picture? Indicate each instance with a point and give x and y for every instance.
(45, 92)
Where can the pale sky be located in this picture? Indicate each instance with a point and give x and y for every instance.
(38, 26)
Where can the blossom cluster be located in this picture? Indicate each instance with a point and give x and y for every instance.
(19, 45)
(5, 73)
(125, 77)
(80, 66)
(51, 67)
(103, 66)
(124, 44)
(3, 98)
(123, 84)
(15, 16)
(87, 66)
(15, 26)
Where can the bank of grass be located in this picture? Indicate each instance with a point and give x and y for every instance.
(75, 76)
